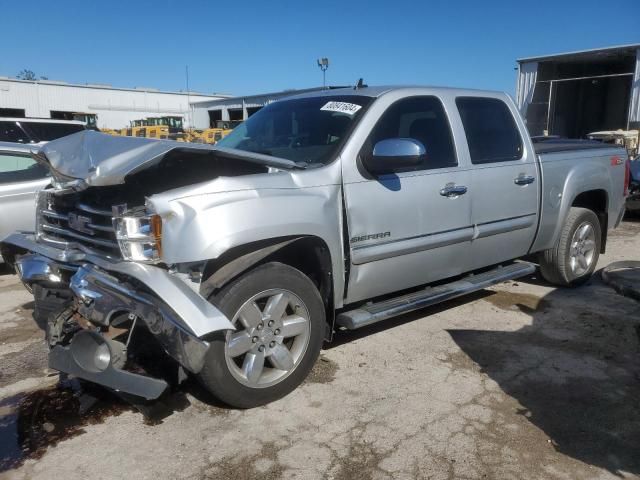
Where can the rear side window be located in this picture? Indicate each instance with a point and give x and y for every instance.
(422, 119)
(492, 133)
(44, 132)
(19, 168)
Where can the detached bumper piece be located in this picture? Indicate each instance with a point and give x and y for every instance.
(101, 296)
(90, 356)
(105, 291)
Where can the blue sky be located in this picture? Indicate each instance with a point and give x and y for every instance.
(244, 47)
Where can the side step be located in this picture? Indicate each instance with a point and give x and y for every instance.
(376, 312)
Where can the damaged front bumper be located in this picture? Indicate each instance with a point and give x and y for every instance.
(177, 315)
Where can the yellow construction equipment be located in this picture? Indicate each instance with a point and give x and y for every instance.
(214, 135)
(111, 131)
(171, 127)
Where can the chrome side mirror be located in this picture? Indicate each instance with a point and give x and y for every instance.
(394, 155)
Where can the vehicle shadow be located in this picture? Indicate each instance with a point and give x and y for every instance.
(576, 372)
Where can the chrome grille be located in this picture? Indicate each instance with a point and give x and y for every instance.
(63, 220)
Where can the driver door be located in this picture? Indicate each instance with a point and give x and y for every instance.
(406, 228)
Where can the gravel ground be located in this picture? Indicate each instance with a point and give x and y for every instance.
(517, 381)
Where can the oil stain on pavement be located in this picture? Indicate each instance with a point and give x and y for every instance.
(31, 422)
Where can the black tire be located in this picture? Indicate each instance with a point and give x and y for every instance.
(216, 376)
(47, 302)
(555, 263)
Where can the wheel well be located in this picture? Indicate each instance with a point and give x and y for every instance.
(308, 254)
(598, 202)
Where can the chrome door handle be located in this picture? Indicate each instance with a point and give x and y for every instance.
(524, 179)
(452, 190)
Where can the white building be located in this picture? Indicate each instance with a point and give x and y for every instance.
(114, 107)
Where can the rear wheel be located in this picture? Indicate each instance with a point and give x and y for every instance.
(279, 319)
(574, 258)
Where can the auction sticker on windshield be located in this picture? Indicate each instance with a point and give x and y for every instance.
(342, 107)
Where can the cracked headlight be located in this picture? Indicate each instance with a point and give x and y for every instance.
(139, 234)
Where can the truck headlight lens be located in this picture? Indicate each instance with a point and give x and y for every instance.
(139, 235)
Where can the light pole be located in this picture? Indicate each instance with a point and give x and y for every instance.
(323, 63)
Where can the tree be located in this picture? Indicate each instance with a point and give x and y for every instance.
(27, 74)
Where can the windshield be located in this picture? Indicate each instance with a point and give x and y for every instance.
(305, 130)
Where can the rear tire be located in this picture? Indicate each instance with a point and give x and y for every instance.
(574, 258)
(280, 321)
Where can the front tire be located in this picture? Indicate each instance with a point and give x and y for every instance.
(280, 319)
(575, 257)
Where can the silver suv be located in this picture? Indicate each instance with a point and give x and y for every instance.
(21, 177)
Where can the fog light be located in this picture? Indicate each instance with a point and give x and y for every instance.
(91, 352)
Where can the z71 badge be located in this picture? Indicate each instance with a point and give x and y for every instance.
(373, 236)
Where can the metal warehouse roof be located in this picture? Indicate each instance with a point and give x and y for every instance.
(102, 86)
(595, 52)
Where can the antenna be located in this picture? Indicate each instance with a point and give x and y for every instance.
(360, 84)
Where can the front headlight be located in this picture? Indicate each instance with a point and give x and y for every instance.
(139, 235)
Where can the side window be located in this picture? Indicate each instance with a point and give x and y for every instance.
(11, 132)
(19, 168)
(422, 119)
(51, 131)
(492, 133)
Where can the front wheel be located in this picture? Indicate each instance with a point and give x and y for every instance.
(574, 258)
(280, 320)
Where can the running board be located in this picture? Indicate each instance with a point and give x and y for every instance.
(376, 312)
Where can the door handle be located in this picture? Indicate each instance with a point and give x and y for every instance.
(524, 179)
(452, 190)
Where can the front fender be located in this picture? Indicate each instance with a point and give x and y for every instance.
(203, 227)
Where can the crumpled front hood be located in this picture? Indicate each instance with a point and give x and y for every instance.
(91, 158)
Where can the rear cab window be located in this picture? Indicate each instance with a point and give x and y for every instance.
(491, 131)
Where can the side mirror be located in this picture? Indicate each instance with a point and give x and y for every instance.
(395, 155)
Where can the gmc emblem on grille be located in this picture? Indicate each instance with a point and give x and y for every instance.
(80, 223)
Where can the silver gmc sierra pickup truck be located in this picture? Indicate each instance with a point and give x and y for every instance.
(155, 260)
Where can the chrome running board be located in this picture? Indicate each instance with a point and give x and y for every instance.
(376, 312)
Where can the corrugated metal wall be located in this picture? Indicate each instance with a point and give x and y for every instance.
(115, 107)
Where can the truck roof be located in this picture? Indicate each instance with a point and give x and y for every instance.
(377, 91)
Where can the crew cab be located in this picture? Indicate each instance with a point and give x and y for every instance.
(325, 211)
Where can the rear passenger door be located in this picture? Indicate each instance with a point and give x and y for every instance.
(505, 180)
(408, 227)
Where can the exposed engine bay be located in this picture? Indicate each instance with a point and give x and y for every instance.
(111, 319)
